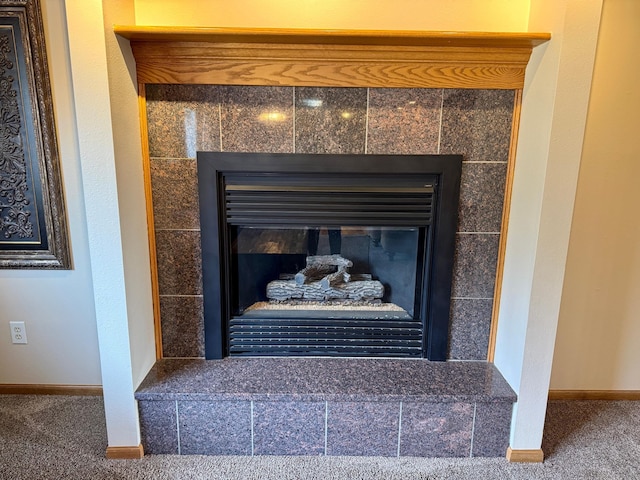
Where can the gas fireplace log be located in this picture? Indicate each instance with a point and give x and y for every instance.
(358, 290)
(360, 276)
(287, 290)
(366, 289)
(341, 276)
(313, 273)
(333, 260)
(319, 266)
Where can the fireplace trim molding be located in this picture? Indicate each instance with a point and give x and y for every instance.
(329, 58)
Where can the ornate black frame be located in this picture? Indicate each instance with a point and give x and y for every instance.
(33, 223)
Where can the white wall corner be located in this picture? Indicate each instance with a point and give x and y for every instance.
(554, 111)
(125, 123)
(96, 146)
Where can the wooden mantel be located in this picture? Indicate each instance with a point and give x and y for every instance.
(330, 58)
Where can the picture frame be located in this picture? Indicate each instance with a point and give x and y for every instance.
(33, 218)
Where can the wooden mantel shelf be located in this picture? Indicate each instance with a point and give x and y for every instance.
(297, 57)
(341, 37)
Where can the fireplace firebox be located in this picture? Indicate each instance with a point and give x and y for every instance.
(327, 255)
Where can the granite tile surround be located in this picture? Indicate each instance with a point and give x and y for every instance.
(477, 123)
(470, 323)
(404, 121)
(186, 118)
(437, 429)
(491, 429)
(179, 259)
(363, 429)
(182, 318)
(288, 428)
(256, 119)
(158, 426)
(174, 183)
(474, 265)
(189, 122)
(325, 406)
(482, 187)
(330, 120)
(214, 428)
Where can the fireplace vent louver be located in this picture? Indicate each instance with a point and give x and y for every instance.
(342, 337)
(290, 200)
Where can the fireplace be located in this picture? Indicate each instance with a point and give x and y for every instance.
(328, 255)
(411, 102)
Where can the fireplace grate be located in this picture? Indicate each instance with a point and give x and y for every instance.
(327, 337)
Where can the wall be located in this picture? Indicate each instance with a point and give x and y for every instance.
(471, 15)
(599, 327)
(57, 306)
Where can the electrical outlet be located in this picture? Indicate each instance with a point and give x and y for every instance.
(18, 332)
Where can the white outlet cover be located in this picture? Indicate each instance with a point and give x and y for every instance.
(18, 332)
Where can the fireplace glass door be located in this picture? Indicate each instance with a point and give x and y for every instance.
(326, 290)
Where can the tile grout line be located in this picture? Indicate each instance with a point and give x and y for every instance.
(220, 121)
(399, 428)
(366, 126)
(462, 360)
(485, 161)
(252, 428)
(177, 229)
(293, 140)
(178, 429)
(473, 429)
(184, 358)
(440, 121)
(458, 298)
(174, 295)
(326, 423)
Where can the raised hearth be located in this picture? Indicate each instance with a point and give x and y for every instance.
(325, 406)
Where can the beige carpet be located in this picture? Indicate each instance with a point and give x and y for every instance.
(52, 437)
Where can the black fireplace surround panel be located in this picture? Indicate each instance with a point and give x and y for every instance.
(327, 255)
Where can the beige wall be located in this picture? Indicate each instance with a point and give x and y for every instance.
(56, 306)
(598, 341)
(472, 15)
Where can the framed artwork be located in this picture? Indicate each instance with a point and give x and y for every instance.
(33, 219)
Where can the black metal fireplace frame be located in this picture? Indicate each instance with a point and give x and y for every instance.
(214, 168)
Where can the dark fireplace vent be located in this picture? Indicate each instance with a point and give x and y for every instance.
(332, 336)
(336, 255)
(362, 200)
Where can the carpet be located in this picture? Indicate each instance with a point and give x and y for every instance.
(64, 437)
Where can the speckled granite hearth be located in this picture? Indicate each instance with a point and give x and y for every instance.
(325, 406)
